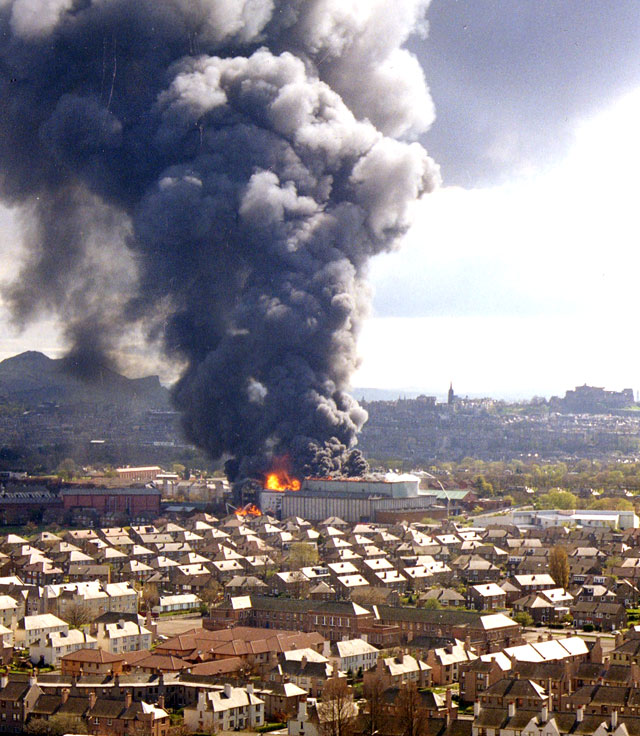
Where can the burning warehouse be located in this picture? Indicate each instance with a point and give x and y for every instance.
(381, 498)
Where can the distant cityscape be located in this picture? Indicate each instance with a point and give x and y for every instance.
(47, 417)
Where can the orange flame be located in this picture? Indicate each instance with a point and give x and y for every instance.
(281, 481)
(249, 510)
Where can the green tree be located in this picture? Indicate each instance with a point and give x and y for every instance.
(616, 504)
(302, 554)
(57, 725)
(558, 499)
(559, 566)
(67, 469)
(483, 486)
(523, 618)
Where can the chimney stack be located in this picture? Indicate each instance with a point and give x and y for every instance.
(227, 690)
(544, 713)
(476, 709)
(64, 695)
(614, 719)
(619, 639)
(580, 714)
(511, 711)
(128, 699)
(161, 701)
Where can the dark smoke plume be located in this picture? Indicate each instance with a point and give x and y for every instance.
(219, 171)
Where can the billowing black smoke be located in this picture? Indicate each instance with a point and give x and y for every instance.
(219, 172)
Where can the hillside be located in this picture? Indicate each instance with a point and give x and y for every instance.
(32, 378)
(47, 414)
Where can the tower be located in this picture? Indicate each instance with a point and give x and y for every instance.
(450, 395)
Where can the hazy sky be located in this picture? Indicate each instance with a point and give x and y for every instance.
(519, 275)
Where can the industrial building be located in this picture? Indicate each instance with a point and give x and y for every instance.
(596, 518)
(394, 485)
(382, 498)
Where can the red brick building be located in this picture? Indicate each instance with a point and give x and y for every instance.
(133, 502)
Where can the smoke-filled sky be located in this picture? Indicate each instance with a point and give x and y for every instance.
(518, 275)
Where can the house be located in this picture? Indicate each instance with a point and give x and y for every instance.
(122, 636)
(32, 628)
(602, 616)
(447, 662)
(314, 719)
(486, 597)
(120, 716)
(478, 675)
(91, 662)
(17, 698)
(306, 668)
(478, 570)
(55, 645)
(355, 655)
(225, 709)
(444, 596)
(400, 670)
(181, 602)
(9, 611)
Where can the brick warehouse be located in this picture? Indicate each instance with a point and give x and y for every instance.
(133, 502)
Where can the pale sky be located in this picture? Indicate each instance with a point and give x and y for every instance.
(524, 288)
(518, 277)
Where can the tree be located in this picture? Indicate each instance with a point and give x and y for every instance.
(302, 554)
(432, 604)
(374, 716)
(557, 499)
(337, 711)
(55, 726)
(559, 566)
(523, 618)
(76, 615)
(410, 712)
(67, 468)
(210, 594)
(616, 504)
(150, 596)
(369, 595)
(482, 486)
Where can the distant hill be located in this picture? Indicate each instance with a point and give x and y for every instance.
(32, 378)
